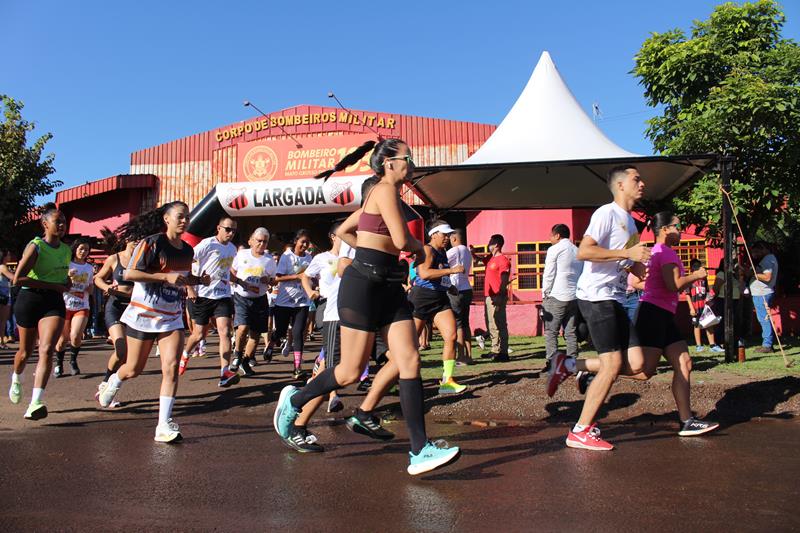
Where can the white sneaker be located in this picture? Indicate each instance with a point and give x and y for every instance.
(106, 396)
(481, 341)
(168, 431)
(15, 392)
(509, 350)
(285, 349)
(100, 388)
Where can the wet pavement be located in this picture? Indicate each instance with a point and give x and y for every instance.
(84, 469)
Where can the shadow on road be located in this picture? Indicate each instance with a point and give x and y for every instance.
(755, 400)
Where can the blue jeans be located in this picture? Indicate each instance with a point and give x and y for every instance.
(631, 305)
(763, 318)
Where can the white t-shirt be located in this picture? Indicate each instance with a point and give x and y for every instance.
(82, 278)
(612, 228)
(251, 269)
(460, 255)
(215, 259)
(346, 251)
(324, 269)
(561, 271)
(291, 293)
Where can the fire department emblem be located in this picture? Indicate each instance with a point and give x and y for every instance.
(236, 198)
(342, 193)
(260, 164)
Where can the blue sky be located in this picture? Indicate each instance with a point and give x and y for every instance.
(109, 78)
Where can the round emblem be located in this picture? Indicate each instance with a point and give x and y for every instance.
(260, 164)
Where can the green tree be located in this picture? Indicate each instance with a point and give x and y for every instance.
(24, 173)
(731, 87)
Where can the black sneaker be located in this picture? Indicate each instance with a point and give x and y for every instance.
(695, 426)
(302, 441)
(501, 358)
(58, 369)
(73, 367)
(368, 425)
(363, 386)
(267, 354)
(235, 364)
(246, 369)
(584, 378)
(546, 369)
(299, 373)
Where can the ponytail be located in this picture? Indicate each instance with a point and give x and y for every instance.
(350, 159)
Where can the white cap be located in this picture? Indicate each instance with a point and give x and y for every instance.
(441, 228)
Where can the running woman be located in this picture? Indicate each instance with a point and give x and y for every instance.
(655, 323)
(6, 276)
(39, 309)
(431, 302)
(214, 256)
(159, 267)
(292, 303)
(77, 303)
(252, 272)
(111, 280)
(371, 299)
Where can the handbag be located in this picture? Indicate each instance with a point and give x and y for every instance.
(708, 318)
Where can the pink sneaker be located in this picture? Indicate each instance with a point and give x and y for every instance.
(588, 439)
(558, 373)
(183, 364)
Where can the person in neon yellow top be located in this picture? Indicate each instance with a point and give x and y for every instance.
(42, 276)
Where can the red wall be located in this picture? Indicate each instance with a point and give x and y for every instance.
(88, 216)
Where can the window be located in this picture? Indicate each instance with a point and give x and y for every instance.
(692, 249)
(530, 264)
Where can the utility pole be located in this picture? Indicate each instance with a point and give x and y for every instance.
(729, 241)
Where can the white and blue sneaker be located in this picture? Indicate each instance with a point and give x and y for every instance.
(285, 413)
(432, 456)
(716, 348)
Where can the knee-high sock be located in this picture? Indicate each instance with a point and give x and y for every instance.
(449, 367)
(324, 383)
(60, 356)
(73, 352)
(411, 401)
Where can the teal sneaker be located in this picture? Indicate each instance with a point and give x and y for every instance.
(15, 392)
(432, 456)
(36, 411)
(285, 413)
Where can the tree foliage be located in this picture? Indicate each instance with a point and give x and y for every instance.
(24, 172)
(731, 87)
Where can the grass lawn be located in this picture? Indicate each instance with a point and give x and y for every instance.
(528, 353)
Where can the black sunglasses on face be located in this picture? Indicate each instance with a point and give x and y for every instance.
(227, 230)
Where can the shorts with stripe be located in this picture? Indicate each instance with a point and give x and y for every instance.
(331, 342)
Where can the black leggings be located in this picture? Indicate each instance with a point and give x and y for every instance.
(298, 316)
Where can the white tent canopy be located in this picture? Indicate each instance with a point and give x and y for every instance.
(547, 153)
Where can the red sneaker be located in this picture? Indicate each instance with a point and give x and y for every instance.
(588, 439)
(558, 373)
(183, 364)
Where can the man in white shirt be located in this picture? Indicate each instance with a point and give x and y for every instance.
(460, 294)
(213, 256)
(561, 271)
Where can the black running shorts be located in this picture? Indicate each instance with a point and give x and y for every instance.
(251, 312)
(461, 304)
(32, 305)
(428, 302)
(114, 309)
(656, 327)
(609, 326)
(204, 308)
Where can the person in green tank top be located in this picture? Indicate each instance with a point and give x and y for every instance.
(42, 276)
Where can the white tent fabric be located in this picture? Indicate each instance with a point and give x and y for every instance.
(548, 153)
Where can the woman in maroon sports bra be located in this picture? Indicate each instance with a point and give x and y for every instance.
(372, 299)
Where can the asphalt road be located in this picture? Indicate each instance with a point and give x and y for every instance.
(87, 469)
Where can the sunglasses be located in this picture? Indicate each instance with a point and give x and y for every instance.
(677, 226)
(228, 230)
(408, 159)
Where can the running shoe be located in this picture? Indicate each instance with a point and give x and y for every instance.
(285, 413)
(183, 364)
(227, 379)
(335, 404)
(303, 441)
(695, 426)
(481, 341)
(285, 348)
(107, 395)
(699, 348)
(36, 411)
(299, 373)
(588, 439)
(432, 456)
(451, 387)
(100, 388)
(15, 392)
(245, 368)
(364, 385)
(267, 354)
(168, 431)
(369, 425)
(201, 349)
(558, 373)
(74, 370)
(235, 364)
(58, 369)
(716, 348)
(501, 358)
(584, 378)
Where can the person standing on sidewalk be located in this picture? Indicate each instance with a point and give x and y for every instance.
(561, 271)
(495, 291)
(762, 288)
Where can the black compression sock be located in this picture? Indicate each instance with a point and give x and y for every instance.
(411, 401)
(60, 356)
(73, 352)
(321, 385)
(109, 373)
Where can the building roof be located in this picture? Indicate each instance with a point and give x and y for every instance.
(93, 188)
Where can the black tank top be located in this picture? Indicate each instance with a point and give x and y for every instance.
(117, 275)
